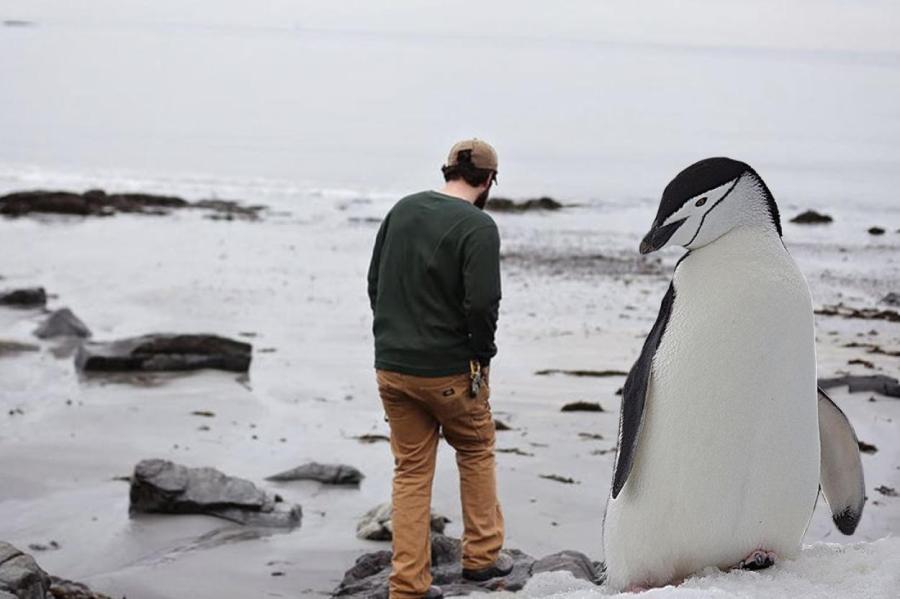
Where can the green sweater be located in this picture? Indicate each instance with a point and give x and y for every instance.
(434, 286)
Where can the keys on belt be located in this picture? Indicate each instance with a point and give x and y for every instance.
(475, 378)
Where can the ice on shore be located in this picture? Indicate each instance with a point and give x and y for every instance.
(863, 570)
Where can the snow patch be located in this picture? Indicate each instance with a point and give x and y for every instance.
(863, 571)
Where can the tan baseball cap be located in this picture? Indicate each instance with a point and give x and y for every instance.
(482, 154)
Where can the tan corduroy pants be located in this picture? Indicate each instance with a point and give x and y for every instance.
(417, 409)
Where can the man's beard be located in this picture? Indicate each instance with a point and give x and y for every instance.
(481, 200)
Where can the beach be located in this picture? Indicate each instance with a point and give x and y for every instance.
(576, 293)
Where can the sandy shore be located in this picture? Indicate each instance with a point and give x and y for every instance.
(575, 296)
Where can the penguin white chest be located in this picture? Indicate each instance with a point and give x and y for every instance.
(728, 454)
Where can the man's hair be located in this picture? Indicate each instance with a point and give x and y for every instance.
(465, 170)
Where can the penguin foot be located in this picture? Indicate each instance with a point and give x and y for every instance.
(758, 560)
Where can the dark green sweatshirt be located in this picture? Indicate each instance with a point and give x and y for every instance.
(434, 286)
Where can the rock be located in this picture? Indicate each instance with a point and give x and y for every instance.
(15, 347)
(878, 383)
(876, 231)
(575, 562)
(499, 425)
(376, 524)
(20, 575)
(811, 217)
(165, 353)
(330, 474)
(61, 588)
(97, 202)
(861, 362)
(861, 313)
(560, 479)
(507, 205)
(161, 486)
(370, 438)
(368, 578)
(583, 373)
(514, 451)
(62, 323)
(582, 406)
(867, 447)
(33, 297)
(891, 299)
(887, 491)
(17, 23)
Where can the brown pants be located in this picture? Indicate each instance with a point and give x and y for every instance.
(417, 408)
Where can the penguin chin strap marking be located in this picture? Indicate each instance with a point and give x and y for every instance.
(711, 208)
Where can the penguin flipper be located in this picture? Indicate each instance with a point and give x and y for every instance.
(841, 473)
(634, 395)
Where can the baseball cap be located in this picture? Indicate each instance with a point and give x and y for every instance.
(481, 154)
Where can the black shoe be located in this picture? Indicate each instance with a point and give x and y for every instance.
(434, 593)
(501, 567)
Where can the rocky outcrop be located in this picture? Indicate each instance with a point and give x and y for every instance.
(330, 474)
(161, 486)
(33, 297)
(368, 577)
(62, 323)
(507, 205)
(165, 353)
(97, 202)
(878, 383)
(376, 524)
(22, 578)
(811, 217)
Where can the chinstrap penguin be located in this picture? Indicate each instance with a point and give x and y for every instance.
(724, 438)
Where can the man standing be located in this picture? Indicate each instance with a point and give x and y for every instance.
(434, 286)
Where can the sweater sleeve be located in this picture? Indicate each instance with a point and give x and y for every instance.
(375, 263)
(481, 281)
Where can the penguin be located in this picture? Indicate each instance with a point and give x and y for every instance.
(724, 437)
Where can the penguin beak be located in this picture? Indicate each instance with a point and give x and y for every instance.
(659, 236)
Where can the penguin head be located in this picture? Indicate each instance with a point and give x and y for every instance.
(707, 200)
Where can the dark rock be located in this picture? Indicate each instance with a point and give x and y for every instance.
(97, 202)
(876, 231)
(861, 313)
(507, 205)
(867, 447)
(887, 491)
(590, 436)
(583, 373)
(891, 299)
(582, 406)
(331, 474)
(368, 578)
(811, 217)
(15, 347)
(165, 353)
(514, 451)
(51, 546)
(34, 297)
(863, 363)
(560, 479)
(499, 425)
(62, 323)
(370, 438)
(874, 348)
(577, 563)
(875, 382)
(66, 589)
(17, 23)
(160, 486)
(20, 575)
(376, 524)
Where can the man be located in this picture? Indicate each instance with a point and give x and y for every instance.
(434, 286)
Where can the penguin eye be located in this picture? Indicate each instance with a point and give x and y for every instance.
(700, 202)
